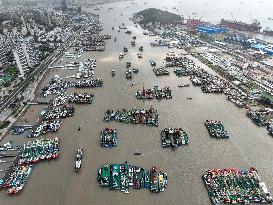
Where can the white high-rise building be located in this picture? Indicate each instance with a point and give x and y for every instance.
(21, 60)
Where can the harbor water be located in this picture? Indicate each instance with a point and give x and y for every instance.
(55, 182)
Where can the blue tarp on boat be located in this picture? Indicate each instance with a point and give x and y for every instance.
(211, 29)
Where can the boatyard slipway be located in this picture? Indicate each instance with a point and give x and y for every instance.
(55, 181)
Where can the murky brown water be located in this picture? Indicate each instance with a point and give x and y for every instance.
(56, 183)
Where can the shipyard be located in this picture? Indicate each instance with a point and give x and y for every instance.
(141, 102)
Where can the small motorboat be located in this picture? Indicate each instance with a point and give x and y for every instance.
(121, 55)
(140, 48)
(134, 37)
(113, 28)
(79, 157)
(128, 32)
(128, 74)
(133, 43)
(189, 98)
(113, 72)
(139, 55)
(125, 49)
(135, 70)
(153, 63)
(137, 152)
(115, 39)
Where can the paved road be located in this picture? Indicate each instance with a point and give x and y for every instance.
(45, 63)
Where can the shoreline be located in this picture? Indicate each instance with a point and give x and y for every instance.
(55, 182)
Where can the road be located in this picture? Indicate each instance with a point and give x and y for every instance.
(45, 63)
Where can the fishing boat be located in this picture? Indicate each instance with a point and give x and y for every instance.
(121, 55)
(145, 33)
(128, 64)
(140, 49)
(270, 129)
(153, 63)
(128, 32)
(183, 85)
(122, 26)
(135, 70)
(133, 43)
(137, 153)
(139, 55)
(79, 156)
(128, 74)
(134, 37)
(113, 72)
(125, 49)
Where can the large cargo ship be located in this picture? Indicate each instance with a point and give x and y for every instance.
(255, 26)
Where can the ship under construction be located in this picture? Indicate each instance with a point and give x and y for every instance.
(255, 26)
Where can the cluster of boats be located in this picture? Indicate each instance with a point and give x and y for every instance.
(37, 150)
(44, 127)
(124, 176)
(174, 61)
(236, 96)
(31, 153)
(81, 98)
(55, 86)
(57, 112)
(89, 83)
(91, 40)
(86, 69)
(108, 137)
(209, 83)
(18, 130)
(58, 86)
(59, 100)
(216, 129)
(174, 137)
(233, 186)
(154, 93)
(134, 116)
(261, 117)
(161, 71)
(179, 72)
(17, 179)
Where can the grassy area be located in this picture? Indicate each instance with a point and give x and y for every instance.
(4, 124)
(12, 70)
(153, 15)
